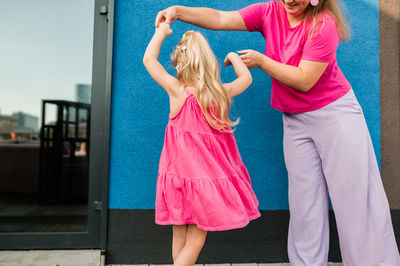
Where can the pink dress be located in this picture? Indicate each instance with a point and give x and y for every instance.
(202, 179)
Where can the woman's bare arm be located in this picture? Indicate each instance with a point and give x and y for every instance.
(303, 77)
(203, 17)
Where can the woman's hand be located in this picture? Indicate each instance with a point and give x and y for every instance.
(228, 58)
(167, 15)
(251, 58)
(164, 29)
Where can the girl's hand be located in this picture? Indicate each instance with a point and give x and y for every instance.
(251, 58)
(228, 58)
(164, 29)
(167, 15)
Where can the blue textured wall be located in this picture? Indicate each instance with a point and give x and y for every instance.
(140, 107)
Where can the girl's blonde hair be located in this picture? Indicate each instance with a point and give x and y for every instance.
(197, 66)
(314, 21)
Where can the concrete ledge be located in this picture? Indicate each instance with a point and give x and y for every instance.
(51, 257)
(87, 258)
(224, 264)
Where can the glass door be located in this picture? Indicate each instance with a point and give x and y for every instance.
(51, 195)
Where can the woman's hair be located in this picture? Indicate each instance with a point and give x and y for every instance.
(314, 21)
(197, 66)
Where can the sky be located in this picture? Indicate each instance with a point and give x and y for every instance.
(45, 50)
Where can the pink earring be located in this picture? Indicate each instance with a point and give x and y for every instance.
(314, 2)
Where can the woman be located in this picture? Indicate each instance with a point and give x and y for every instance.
(327, 145)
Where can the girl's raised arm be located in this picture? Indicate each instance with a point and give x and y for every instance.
(244, 79)
(155, 69)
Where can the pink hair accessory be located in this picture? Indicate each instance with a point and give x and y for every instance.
(183, 47)
(314, 2)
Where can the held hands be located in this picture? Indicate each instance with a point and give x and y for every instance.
(251, 58)
(164, 29)
(167, 15)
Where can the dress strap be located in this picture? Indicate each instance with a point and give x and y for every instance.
(187, 91)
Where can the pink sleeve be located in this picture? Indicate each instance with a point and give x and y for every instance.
(253, 15)
(322, 47)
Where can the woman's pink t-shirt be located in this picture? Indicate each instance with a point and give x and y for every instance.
(290, 45)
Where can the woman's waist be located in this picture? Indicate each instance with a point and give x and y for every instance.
(330, 86)
(290, 100)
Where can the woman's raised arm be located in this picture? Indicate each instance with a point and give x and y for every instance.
(203, 17)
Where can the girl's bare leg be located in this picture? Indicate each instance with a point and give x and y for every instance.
(178, 239)
(195, 239)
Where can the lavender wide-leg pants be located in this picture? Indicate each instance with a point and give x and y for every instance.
(330, 150)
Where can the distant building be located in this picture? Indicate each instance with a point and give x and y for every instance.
(26, 126)
(6, 126)
(82, 93)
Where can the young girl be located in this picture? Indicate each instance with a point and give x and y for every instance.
(202, 183)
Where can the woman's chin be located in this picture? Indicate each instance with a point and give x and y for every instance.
(295, 13)
(290, 9)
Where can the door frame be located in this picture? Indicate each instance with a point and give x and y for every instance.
(96, 235)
